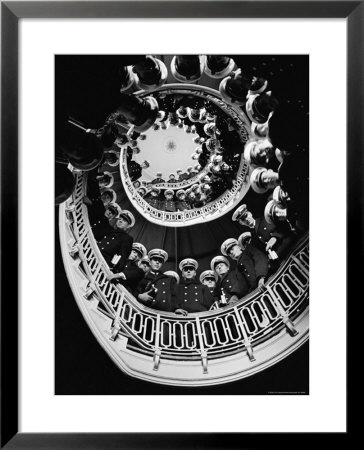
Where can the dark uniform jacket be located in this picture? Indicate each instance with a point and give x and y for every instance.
(97, 209)
(166, 297)
(133, 276)
(157, 181)
(181, 205)
(231, 283)
(264, 231)
(116, 242)
(194, 296)
(100, 226)
(134, 170)
(153, 201)
(168, 205)
(253, 264)
(184, 176)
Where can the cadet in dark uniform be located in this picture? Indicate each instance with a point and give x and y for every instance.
(169, 204)
(152, 198)
(209, 278)
(231, 285)
(262, 180)
(94, 200)
(105, 180)
(189, 173)
(265, 236)
(172, 178)
(143, 264)
(179, 174)
(277, 215)
(181, 204)
(158, 178)
(131, 274)
(257, 153)
(157, 290)
(100, 226)
(135, 169)
(251, 262)
(116, 244)
(192, 295)
(184, 176)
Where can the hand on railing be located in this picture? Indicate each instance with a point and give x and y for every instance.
(86, 201)
(181, 312)
(271, 243)
(145, 297)
(233, 299)
(114, 276)
(261, 285)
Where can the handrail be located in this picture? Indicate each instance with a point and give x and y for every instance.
(220, 332)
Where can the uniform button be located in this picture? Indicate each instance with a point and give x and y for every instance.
(163, 301)
(164, 292)
(264, 228)
(195, 287)
(113, 238)
(163, 284)
(107, 242)
(196, 300)
(185, 300)
(248, 275)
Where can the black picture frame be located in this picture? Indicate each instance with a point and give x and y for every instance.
(11, 12)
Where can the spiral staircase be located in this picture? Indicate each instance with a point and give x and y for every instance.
(201, 349)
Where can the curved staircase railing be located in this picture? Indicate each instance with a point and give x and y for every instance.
(208, 212)
(151, 343)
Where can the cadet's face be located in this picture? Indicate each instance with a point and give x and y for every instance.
(169, 196)
(235, 252)
(110, 158)
(156, 263)
(280, 214)
(209, 282)
(221, 269)
(188, 273)
(270, 178)
(134, 256)
(248, 220)
(122, 224)
(261, 154)
(105, 198)
(109, 214)
(144, 265)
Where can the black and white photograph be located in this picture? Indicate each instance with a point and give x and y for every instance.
(182, 224)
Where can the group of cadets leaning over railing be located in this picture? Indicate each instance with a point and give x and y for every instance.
(257, 253)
